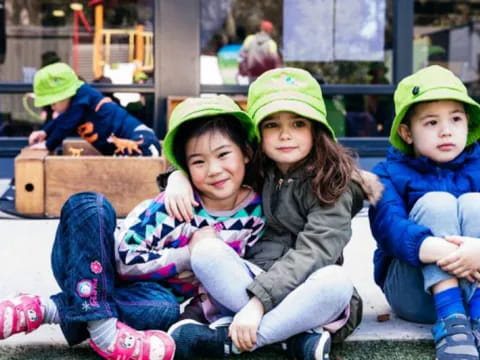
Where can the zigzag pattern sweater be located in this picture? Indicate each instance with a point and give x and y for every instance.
(153, 245)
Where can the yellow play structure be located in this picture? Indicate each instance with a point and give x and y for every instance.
(140, 43)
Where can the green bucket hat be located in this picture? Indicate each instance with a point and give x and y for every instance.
(196, 108)
(286, 89)
(54, 83)
(430, 84)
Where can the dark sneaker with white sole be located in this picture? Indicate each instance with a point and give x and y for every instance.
(310, 346)
(195, 340)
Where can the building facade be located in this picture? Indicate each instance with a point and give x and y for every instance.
(145, 51)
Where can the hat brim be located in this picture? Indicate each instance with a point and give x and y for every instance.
(168, 142)
(472, 109)
(295, 106)
(44, 100)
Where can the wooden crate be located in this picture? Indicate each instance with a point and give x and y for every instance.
(30, 182)
(44, 182)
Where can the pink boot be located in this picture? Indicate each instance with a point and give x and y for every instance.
(23, 313)
(131, 344)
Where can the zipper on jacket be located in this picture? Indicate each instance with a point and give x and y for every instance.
(281, 181)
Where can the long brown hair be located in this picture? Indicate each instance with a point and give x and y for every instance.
(329, 165)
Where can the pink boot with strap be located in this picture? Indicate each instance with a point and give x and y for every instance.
(131, 344)
(22, 313)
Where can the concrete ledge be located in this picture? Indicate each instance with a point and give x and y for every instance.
(25, 261)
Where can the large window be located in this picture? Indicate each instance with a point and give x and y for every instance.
(104, 41)
(447, 33)
(339, 41)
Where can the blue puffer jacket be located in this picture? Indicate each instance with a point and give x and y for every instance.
(406, 179)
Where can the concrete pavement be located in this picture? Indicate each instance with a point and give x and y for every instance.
(25, 267)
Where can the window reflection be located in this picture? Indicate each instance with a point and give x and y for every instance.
(93, 37)
(341, 48)
(359, 115)
(109, 41)
(447, 33)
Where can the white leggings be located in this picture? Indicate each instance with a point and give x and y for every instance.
(319, 300)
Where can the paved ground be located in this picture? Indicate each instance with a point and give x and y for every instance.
(25, 267)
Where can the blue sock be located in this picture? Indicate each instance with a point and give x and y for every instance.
(474, 305)
(448, 302)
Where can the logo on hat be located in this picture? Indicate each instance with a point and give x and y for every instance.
(415, 90)
(290, 80)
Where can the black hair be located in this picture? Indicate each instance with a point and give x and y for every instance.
(227, 125)
(50, 57)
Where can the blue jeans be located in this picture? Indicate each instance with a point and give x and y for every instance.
(151, 145)
(83, 263)
(319, 300)
(406, 287)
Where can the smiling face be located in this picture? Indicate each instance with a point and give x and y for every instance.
(287, 139)
(217, 168)
(438, 130)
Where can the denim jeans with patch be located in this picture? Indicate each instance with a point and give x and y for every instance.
(83, 263)
(406, 287)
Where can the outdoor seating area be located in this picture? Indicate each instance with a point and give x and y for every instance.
(34, 238)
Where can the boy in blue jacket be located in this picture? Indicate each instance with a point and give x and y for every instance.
(426, 225)
(85, 111)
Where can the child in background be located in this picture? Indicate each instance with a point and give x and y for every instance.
(114, 285)
(426, 225)
(293, 286)
(85, 111)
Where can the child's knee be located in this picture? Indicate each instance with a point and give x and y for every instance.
(438, 201)
(436, 204)
(469, 203)
(206, 251)
(334, 277)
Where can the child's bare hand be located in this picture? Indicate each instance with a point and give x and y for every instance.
(39, 146)
(188, 277)
(371, 186)
(206, 232)
(465, 261)
(179, 197)
(243, 329)
(36, 137)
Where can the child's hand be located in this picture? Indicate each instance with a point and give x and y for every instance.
(371, 186)
(179, 197)
(465, 261)
(189, 277)
(206, 232)
(243, 329)
(39, 146)
(36, 137)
